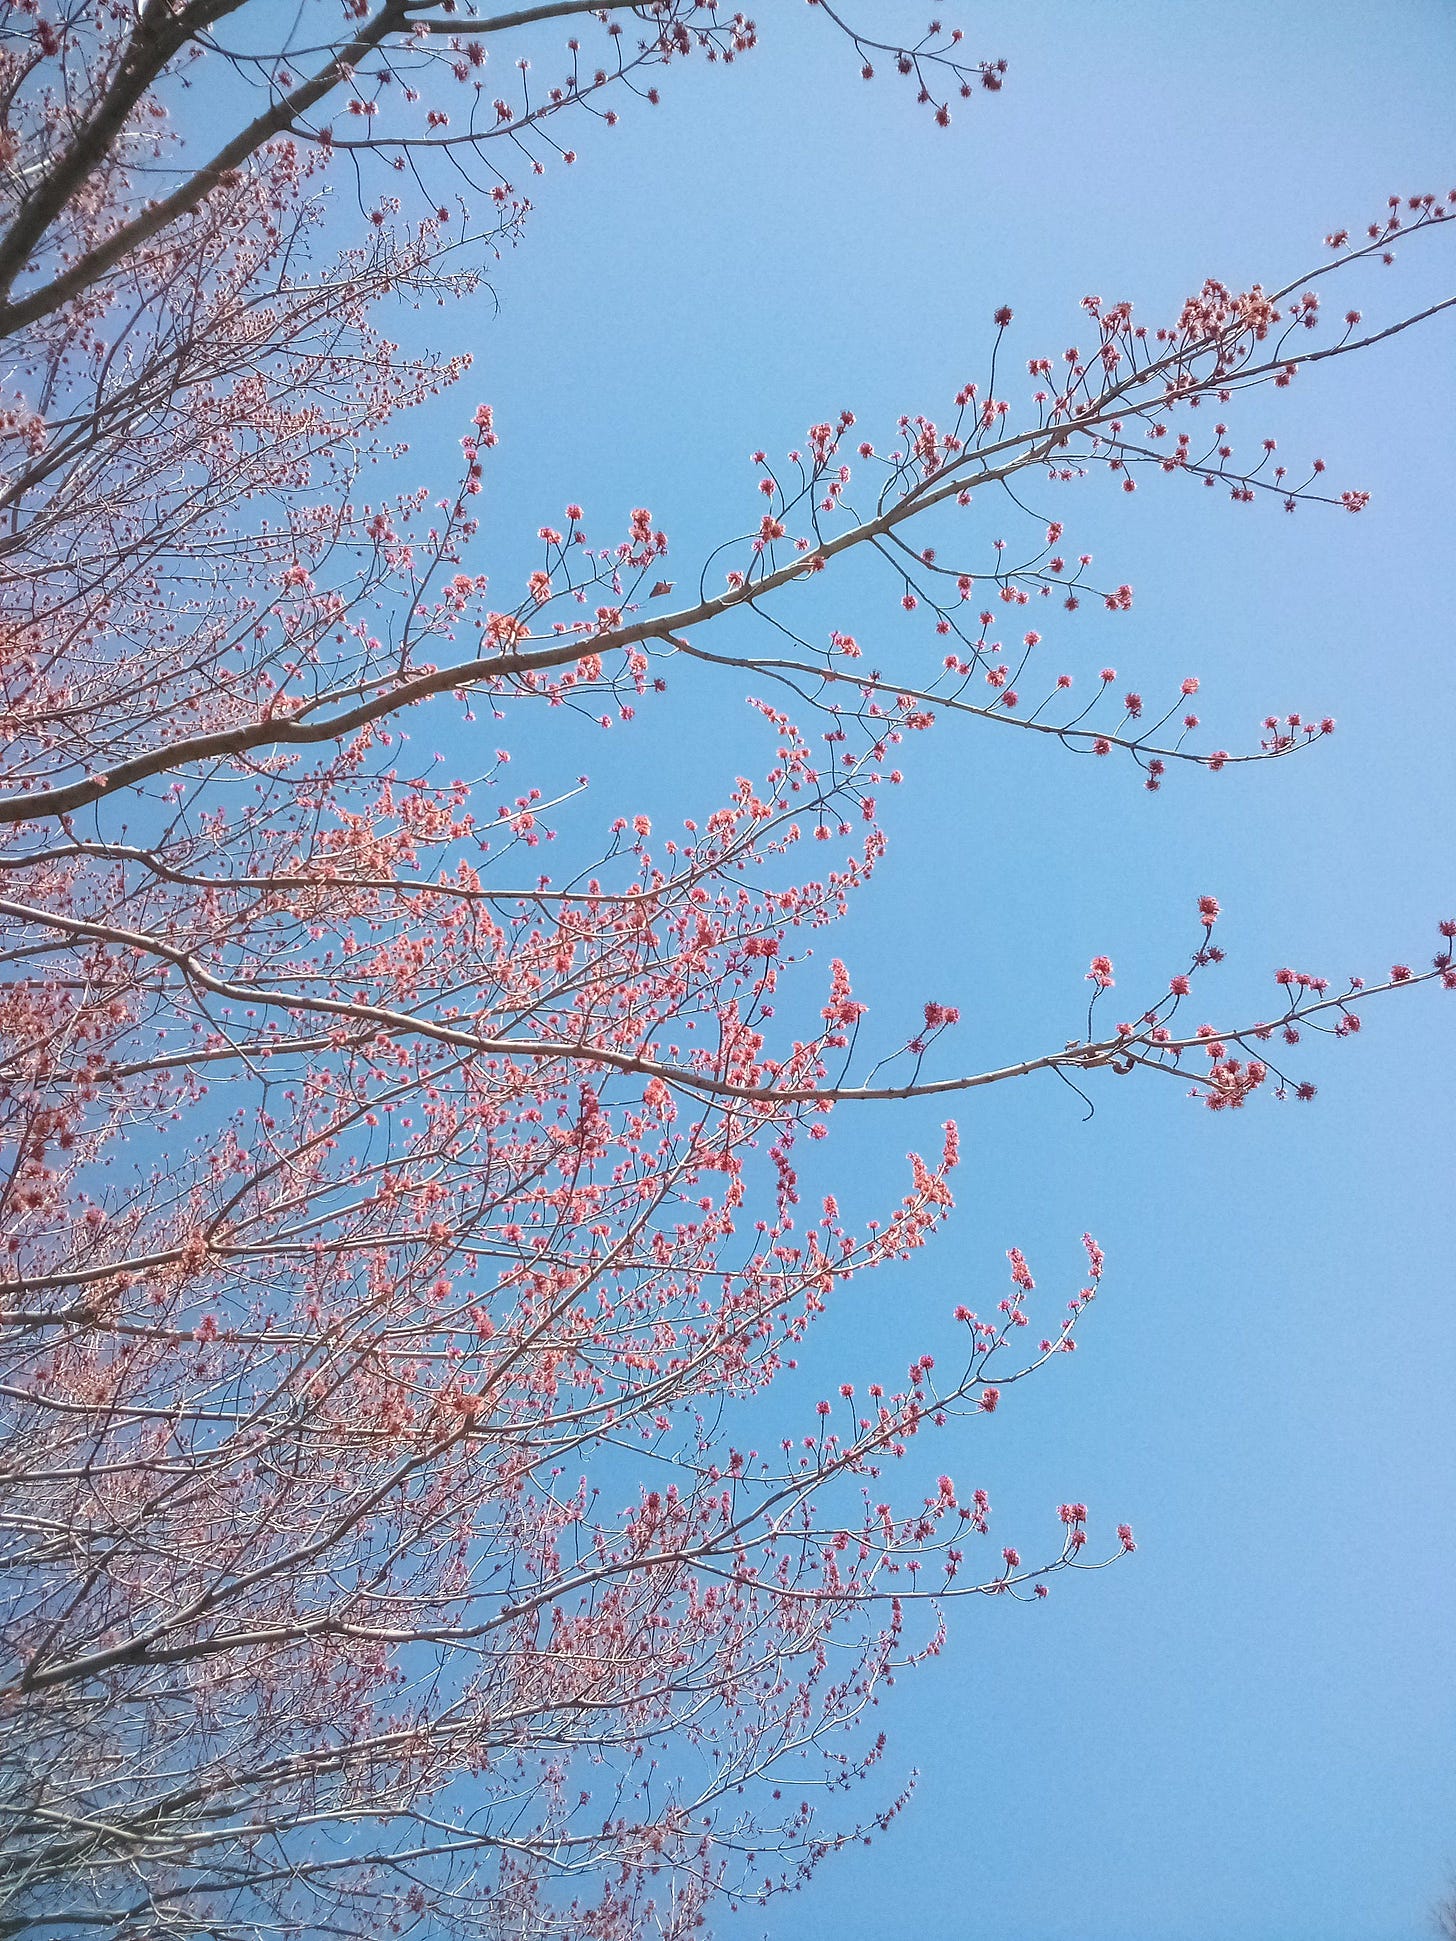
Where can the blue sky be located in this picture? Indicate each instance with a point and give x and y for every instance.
(1249, 1728)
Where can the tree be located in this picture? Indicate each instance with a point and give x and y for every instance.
(383, 1214)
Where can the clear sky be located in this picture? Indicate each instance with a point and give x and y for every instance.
(1250, 1728)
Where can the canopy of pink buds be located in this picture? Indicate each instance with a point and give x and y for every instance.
(398, 1239)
